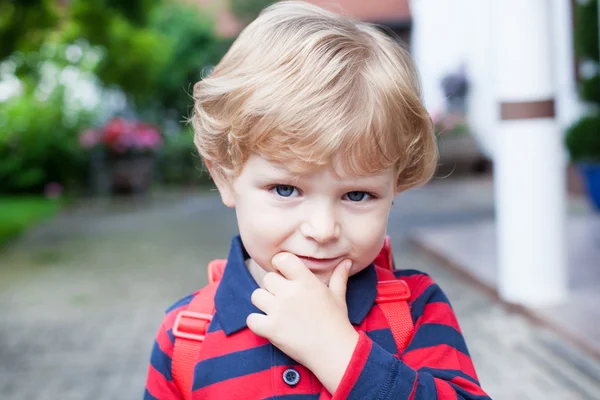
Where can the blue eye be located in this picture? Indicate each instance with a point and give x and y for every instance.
(356, 196)
(284, 190)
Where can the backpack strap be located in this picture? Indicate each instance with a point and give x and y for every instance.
(190, 330)
(216, 268)
(392, 297)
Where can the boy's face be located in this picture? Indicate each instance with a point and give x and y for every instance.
(321, 218)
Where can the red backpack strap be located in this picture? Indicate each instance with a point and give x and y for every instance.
(392, 297)
(385, 258)
(190, 330)
(215, 270)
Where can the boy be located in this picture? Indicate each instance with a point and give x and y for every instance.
(309, 126)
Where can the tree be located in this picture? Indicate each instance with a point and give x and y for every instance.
(247, 10)
(25, 24)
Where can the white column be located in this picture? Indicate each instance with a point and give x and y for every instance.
(568, 106)
(529, 162)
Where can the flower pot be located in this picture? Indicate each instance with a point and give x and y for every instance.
(130, 174)
(591, 177)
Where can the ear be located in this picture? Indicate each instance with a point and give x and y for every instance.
(224, 185)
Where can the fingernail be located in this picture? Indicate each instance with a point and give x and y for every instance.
(348, 264)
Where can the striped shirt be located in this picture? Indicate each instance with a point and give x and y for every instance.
(234, 363)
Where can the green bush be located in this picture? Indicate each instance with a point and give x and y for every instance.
(39, 144)
(586, 47)
(179, 163)
(190, 47)
(583, 139)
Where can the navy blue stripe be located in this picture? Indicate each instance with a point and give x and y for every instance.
(385, 339)
(295, 397)
(148, 396)
(233, 365)
(448, 374)
(408, 272)
(280, 358)
(171, 336)
(161, 361)
(463, 394)
(429, 335)
(433, 294)
(383, 377)
(215, 324)
(183, 302)
(426, 389)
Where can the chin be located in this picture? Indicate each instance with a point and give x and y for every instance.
(324, 278)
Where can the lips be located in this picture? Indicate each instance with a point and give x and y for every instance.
(319, 263)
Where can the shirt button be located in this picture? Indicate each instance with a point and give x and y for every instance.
(291, 377)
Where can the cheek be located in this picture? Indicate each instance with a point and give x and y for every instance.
(263, 228)
(367, 241)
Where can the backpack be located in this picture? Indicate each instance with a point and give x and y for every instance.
(191, 325)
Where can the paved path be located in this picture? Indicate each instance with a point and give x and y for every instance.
(82, 296)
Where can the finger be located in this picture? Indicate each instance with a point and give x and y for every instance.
(262, 300)
(259, 324)
(290, 266)
(339, 280)
(274, 282)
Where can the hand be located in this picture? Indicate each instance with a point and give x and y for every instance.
(306, 319)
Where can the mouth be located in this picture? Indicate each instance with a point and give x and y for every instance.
(319, 263)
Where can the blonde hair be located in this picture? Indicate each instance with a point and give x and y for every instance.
(302, 85)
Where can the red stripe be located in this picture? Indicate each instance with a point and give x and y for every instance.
(468, 386)
(375, 320)
(303, 387)
(441, 356)
(357, 363)
(259, 385)
(444, 390)
(164, 341)
(438, 313)
(160, 387)
(219, 344)
(256, 386)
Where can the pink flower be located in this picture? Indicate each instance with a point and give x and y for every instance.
(120, 135)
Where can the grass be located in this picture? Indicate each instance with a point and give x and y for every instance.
(17, 214)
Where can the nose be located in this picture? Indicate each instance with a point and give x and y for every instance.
(321, 224)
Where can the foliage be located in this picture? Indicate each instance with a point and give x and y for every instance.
(179, 162)
(38, 143)
(138, 58)
(247, 10)
(191, 46)
(19, 213)
(134, 54)
(450, 124)
(583, 139)
(25, 25)
(586, 45)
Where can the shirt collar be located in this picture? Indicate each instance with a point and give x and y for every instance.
(232, 300)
